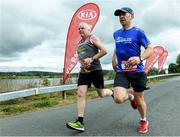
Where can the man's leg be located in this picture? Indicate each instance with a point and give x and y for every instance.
(118, 99)
(98, 81)
(138, 83)
(141, 104)
(142, 108)
(121, 95)
(132, 99)
(81, 102)
(120, 90)
(104, 92)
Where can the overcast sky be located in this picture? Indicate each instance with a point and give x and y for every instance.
(33, 32)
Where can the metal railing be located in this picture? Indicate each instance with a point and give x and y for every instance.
(61, 88)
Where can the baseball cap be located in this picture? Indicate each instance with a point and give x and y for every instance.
(124, 9)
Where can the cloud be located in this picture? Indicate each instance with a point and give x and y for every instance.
(24, 28)
(160, 16)
(168, 39)
(33, 33)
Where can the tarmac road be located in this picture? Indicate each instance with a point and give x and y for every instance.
(103, 117)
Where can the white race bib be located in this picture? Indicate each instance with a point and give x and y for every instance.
(128, 68)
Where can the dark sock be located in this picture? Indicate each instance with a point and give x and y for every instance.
(112, 96)
(112, 93)
(80, 119)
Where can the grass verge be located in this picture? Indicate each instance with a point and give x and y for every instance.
(38, 102)
(43, 101)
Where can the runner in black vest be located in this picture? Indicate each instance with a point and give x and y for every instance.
(90, 50)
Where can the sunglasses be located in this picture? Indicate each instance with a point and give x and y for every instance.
(81, 28)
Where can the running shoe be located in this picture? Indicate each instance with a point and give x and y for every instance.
(75, 125)
(133, 102)
(143, 126)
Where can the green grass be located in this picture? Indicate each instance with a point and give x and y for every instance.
(45, 103)
(38, 102)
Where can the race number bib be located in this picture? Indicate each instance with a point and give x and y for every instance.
(128, 68)
(86, 68)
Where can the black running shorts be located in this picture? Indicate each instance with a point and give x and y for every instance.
(137, 80)
(95, 77)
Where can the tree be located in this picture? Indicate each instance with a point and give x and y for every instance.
(178, 60)
(175, 68)
(178, 63)
(153, 71)
(172, 68)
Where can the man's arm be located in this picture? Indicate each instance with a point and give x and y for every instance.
(102, 51)
(145, 55)
(97, 42)
(114, 60)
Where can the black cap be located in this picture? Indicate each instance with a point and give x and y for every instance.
(124, 9)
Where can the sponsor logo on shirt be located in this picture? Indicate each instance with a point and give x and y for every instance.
(123, 40)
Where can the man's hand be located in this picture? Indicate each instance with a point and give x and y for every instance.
(134, 61)
(88, 60)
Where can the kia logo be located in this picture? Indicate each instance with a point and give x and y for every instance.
(87, 14)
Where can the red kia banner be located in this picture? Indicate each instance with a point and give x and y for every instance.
(88, 13)
(161, 60)
(157, 52)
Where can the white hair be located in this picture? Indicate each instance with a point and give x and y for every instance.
(88, 26)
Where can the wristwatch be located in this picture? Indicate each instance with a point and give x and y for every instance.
(93, 58)
(141, 59)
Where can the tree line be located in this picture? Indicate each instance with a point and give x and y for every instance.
(175, 67)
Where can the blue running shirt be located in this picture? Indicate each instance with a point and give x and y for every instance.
(128, 44)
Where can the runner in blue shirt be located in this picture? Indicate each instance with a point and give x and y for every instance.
(128, 63)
